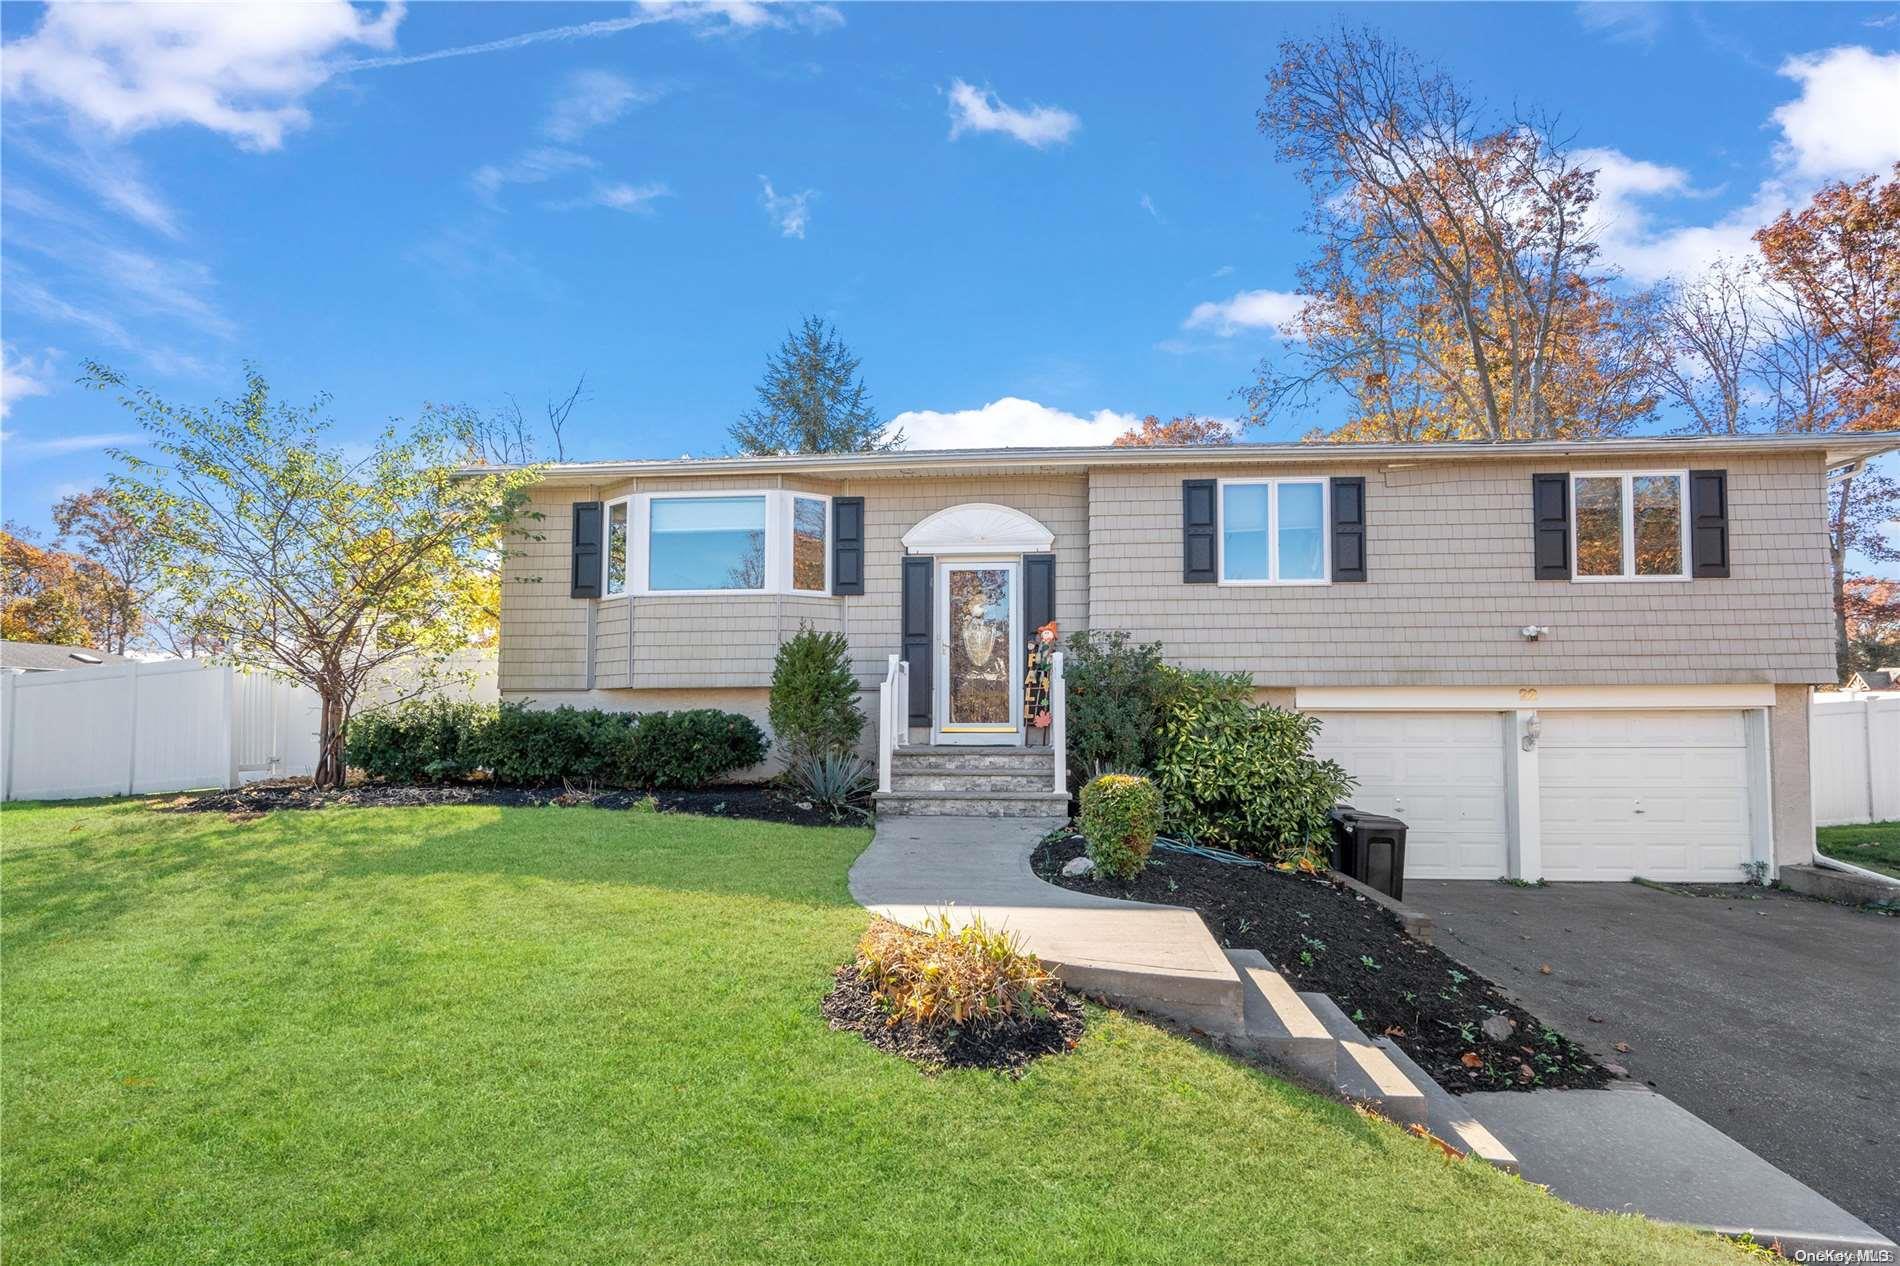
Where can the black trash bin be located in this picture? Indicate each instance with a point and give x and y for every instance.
(1370, 847)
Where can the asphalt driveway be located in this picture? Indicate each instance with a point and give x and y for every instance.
(1772, 1017)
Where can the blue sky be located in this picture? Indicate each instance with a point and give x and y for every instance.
(1032, 222)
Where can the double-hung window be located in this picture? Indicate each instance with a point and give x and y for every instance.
(718, 542)
(1630, 525)
(1273, 532)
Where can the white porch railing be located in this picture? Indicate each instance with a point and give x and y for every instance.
(893, 716)
(1059, 721)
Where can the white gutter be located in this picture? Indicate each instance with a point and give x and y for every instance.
(1824, 862)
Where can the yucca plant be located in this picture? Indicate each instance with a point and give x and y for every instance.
(838, 781)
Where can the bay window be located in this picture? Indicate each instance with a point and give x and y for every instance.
(1630, 526)
(718, 542)
(1273, 532)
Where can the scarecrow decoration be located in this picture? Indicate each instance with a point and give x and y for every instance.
(1036, 677)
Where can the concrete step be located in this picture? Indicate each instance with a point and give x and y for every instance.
(1279, 1024)
(972, 804)
(1365, 1072)
(1447, 1115)
(970, 778)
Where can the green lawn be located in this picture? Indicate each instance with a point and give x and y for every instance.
(569, 1035)
(1877, 847)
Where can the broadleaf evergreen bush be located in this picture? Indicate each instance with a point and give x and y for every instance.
(814, 700)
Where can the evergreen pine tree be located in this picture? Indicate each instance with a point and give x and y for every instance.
(812, 400)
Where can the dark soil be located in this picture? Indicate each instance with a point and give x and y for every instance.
(1007, 1045)
(750, 801)
(1327, 939)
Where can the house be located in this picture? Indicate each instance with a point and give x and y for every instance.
(1553, 660)
(42, 657)
(1875, 679)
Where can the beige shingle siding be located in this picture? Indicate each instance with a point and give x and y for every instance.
(1449, 548)
(1451, 583)
(543, 631)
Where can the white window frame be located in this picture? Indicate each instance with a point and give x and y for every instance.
(778, 543)
(1629, 478)
(1274, 485)
(606, 548)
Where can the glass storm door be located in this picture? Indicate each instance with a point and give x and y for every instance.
(978, 653)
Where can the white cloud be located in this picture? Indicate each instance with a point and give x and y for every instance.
(58, 445)
(1271, 310)
(789, 211)
(22, 375)
(1846, 122)
(625, 197)
(242, 70)
(590, 99)
(1621, 21)
(1148, 205)
(1010, 422)
(1832, 130)
(980, 110)
(111, 173)
(1225, 270)
(530, 167)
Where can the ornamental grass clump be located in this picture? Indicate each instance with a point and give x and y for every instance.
(1120, 815)
(944, 975)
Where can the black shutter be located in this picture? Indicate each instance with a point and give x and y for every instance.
(1200, 518)
(1708, 522)
(918, 601)
(1349, 527)
(847, 545)
(1550, 515)
(1039, 592)
(585, 580)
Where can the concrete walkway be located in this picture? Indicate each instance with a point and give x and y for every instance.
(1159, 958)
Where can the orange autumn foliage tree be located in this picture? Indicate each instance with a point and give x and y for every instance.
(1837, 260)
(1456, 292)
(1187, 431)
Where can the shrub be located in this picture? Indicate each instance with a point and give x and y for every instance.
(837, 781)
(527, 748)
(814, 705)
(423, 740)
(946, 975)
(688, 749)
(1120, 815)
(1115, 694)
(1245, 777)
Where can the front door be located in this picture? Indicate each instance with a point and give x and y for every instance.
(979, 652)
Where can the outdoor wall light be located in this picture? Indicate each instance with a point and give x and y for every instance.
(1531, 632)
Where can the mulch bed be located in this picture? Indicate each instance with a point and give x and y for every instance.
(1006, 1045)
(739, 800)
(1330, 940)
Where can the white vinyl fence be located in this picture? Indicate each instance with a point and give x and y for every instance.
(1855, 756)
(136, 728)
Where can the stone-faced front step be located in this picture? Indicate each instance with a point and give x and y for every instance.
(995, 759)
(970, 778)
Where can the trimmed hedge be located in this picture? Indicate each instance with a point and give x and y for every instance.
(1120, 815)
(427, 740)
(689, 749)
(434, 741)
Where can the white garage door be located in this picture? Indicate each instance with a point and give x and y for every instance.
(1663, 795)
(1442, 773)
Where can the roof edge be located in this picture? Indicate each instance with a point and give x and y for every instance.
(1835, 447)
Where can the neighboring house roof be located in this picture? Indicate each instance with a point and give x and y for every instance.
(1835, 447)
(40, 657)
(1876, 679)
